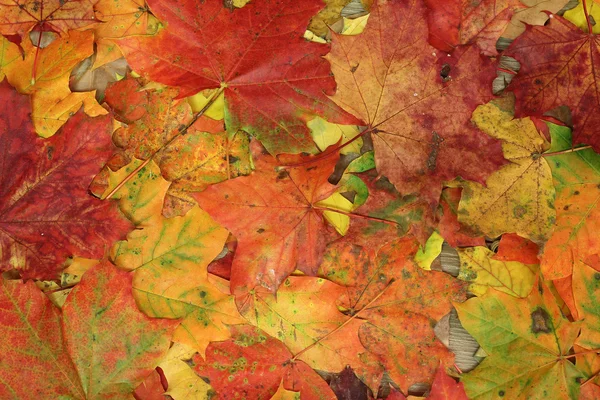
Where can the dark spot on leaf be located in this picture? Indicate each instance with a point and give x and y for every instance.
(538, 81)
(282, 174)
(50, 152)
(202, 294)
(566, 208)
(354, 68)
(541, 321)
(576, 192)
(501, 393)
(260, 230)
(445, 72)
(597, 276)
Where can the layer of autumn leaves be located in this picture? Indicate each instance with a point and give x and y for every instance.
(283, 223)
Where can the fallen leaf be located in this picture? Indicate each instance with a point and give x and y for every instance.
(479, 266)
(170, 280)
(114, 346)
(519, 197)
(35, 362)
(21, 16)
(273, 104)
(416, 103)
(52, 101)
(252, 364)
(46, 212)
(446, 388)
(576, 177)
(273, 214)
(507, 329)
(559, 68)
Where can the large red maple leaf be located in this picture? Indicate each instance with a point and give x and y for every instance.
(560, 66)
(273, 79)
(46, 212)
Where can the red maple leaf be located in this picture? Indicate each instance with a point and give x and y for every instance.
(560, 66)
(273, 79)
(46, 212)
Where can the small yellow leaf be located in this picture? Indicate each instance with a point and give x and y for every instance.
(326, 134)
(433, 248)
(339, 221)
(283, 394)
(310, 36)
(354, 26)
(200, 99)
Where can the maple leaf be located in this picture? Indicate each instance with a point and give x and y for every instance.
(252, 364)
(183, 383)
(519, 197)
(559, 67)
(171, 281)
(417, 103)
(576, 176)
(46, 214)
(400, 302)
(35, 363)
(151, 388)
(274, 81)
(21, 16)
(508, 328)
(203, 156)
(113, 345)
(273, 213)
(51, 99)
(305, 317)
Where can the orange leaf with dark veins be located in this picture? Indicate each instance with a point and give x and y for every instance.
(274, 80)
(560, 66)
(273, 214)
(416, 102)
(17, 17)
(46, 212)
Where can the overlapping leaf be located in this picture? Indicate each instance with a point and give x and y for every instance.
(35, 363)
(46, 213)
(416, 102)
(559, 67)
(576, 177)
(527, 341)
(112, 344)
(274, 216)
(252, 364)
(519, 197)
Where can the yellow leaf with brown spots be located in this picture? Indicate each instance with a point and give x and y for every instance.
(519, 197)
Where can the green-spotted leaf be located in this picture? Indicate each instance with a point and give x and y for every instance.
(113, 345)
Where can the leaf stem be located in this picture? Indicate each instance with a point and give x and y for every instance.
(578, 354)
(346, 322)
(210, 102)
(350, 214)
(556, 153)
(587, 17)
